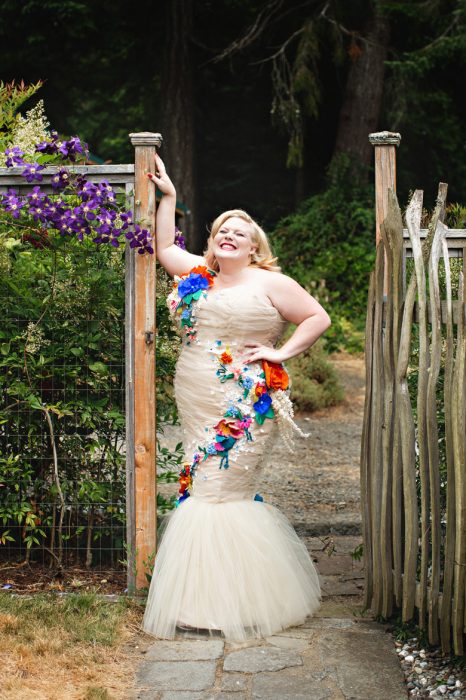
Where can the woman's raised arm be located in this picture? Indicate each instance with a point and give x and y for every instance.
(174, 259)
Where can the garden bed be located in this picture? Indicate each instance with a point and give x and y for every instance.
(27, 578)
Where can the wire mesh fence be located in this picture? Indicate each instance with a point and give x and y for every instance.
(62, 401)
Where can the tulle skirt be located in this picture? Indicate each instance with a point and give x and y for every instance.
(235, 566)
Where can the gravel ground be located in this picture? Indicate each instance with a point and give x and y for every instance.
(317, 486)
(428, 674)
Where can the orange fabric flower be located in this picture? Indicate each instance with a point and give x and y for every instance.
(226, 358)
(202, 270)
(276, 376)
(229, 427)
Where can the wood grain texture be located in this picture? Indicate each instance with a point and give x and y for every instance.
(449, 547)
(366, 464)
(459, 452)
(376, 420)
(432, 433)
(406, 428)
(392, 233)
(145, 497)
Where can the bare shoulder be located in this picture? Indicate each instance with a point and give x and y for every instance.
(275, 281)
(288, 296)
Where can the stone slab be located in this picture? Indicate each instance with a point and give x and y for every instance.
(339, 608)
(334, 585)
(284, 642)
(333, 564)
(289, 685)
(186, 695)
(195, 650)
(261, 659)
(233, 682)
(177, 675)
(365, 666)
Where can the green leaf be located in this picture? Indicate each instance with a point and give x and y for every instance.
(99, 368)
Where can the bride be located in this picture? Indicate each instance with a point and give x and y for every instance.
(228, 561)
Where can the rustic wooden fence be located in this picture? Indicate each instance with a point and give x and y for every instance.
(413, 454)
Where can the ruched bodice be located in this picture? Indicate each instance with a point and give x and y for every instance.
(239, 314)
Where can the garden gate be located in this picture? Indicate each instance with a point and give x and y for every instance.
(139, 347)
(413, 450)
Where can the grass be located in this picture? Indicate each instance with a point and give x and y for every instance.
(72, 647)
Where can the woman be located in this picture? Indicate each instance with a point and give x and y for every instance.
(228, 561)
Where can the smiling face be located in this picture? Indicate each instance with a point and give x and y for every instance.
(234, 240)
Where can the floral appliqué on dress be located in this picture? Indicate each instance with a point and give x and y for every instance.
(188, 289)
(262, 398)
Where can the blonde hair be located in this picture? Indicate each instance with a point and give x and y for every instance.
(262, 257)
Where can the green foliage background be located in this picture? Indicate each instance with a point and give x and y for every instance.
(329, 246)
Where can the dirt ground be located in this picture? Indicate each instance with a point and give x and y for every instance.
(317, 486)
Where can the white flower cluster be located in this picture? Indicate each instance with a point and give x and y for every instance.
(283, 408)
(29, 131)
(34, 338)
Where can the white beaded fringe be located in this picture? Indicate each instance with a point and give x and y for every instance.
(283, 408)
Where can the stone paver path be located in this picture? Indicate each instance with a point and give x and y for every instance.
(334, 658)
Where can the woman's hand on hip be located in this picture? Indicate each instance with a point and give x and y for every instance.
(256, 351)
(161, 179)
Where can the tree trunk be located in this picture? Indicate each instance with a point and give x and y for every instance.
(362, 101)
(178, 112)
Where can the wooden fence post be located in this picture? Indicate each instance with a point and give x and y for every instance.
(140, 356)
(384, 143)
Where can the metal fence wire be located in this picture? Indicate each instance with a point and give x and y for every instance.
(62, 399)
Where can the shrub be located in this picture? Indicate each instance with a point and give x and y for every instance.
(328, 245)
(314, 381)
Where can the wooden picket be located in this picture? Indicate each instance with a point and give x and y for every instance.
(410, 563)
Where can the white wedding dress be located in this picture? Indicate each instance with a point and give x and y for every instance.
(227, 561)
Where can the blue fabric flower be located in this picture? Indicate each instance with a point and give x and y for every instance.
(247, 382)
(258, 497)
(192, 284)
(263, 404)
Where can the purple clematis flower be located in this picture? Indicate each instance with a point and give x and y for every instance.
(179, 239)
(140, 239)
(32, 172)
(47, 147)
(35, 194)
(60, 180)
(12, 203)
(14, 156)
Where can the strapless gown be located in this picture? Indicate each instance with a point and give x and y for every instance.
(227, 560)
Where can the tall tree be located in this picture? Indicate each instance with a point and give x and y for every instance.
(363, 95)
(178, 111)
